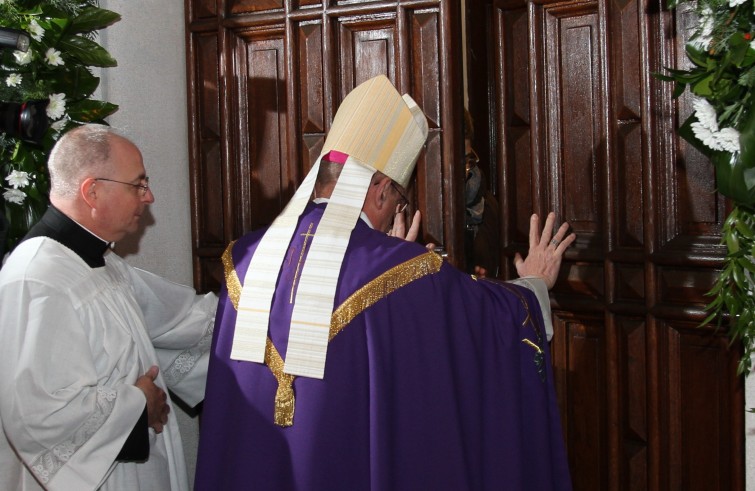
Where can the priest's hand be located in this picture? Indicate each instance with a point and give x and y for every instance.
(545, 254)
(157, 399)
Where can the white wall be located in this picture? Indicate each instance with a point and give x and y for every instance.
(149, 85)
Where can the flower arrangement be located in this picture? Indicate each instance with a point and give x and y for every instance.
(721, 79)
(54, 74)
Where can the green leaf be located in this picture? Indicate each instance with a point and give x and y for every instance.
(739, 280)
(714, 291)
(32, 10)
(88, 52)
(737, 55)
(692, 77)
(747, 78)
(92, 19)
(696, 55)
(88, 111)
(59, 25)
(702, 87)
(749, 57)
(678, 90)
(732, 243)
(737, 39)
(708, 319)
(743, 228)
(746, 264)
(77, 83)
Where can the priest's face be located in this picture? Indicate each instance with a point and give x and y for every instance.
(125, 194)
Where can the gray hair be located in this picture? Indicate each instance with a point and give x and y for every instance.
(81, 153)
(328, 173)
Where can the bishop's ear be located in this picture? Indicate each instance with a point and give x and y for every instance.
(383, 192)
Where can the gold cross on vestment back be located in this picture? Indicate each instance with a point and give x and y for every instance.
(306, 236)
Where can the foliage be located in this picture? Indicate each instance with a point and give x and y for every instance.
(55, 70)
(721, 77)
(733, 290)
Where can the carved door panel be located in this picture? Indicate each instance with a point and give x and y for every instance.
(265, 80)
(579, 125)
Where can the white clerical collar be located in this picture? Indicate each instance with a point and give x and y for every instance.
(362, 215)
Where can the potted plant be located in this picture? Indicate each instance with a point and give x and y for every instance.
(721, 78)
(49, 85)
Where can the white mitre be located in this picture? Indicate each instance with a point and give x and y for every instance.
(376, 129)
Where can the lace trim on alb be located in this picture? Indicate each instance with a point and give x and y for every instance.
(48, 463)
(187, 360)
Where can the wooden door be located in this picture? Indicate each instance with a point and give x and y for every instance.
(568, 118)
(265, 80)
(579, 125)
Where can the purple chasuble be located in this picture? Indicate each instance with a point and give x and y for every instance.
(443, 383)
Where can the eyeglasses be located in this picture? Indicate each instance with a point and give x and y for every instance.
(141, 188)
(403, 198)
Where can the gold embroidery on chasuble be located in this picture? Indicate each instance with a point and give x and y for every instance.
(358, 302)
(232, 282)
(539, 359)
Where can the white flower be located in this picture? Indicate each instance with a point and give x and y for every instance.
(59, 124)
(13, 80)
(706, 21)
(728, 139)
(704, 30)
(734, 3)
(705, 113)
(35, 30)
(57, 106)
(18, 179)
(53, 58)
(705, 135)
(22, 58)
(14, 196)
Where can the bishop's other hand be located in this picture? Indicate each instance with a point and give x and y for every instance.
(546, 250)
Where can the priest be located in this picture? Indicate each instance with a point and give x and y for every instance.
(345, 358)
(89, 346)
